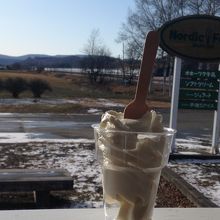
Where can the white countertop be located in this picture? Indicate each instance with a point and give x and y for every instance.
(98, 214)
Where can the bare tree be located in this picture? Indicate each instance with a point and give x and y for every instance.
(93, 44)
(97, 57)
(38, 87)
(129, 64)
(152, 14)
(1, 85)
(210, 7)
(148, 15)
(15, 86)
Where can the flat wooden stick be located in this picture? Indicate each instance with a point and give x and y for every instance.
(137, 108)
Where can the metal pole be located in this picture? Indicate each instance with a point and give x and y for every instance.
(216, 126)
(175, 97)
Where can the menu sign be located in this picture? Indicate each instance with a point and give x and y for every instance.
(195, 37)
(199, 89)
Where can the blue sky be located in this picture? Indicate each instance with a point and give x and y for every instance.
(59, 26)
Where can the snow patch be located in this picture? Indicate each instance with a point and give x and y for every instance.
(188, 153)
(77, 158)
(38, 137)
(109, 103)
(200, 177)
(94, 111)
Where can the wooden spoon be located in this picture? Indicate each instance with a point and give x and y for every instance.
(137, 108)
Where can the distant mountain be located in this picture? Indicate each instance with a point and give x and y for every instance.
(33, 61)
(8, 60)
(59, 61)
(42, 60)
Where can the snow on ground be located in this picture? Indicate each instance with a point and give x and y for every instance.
(37, 137)
(109, 103)
(28, 101)
(34, 150)
(94, 111)
(204, 176)
(195, 145)
(29, 150)
(77, 158)
(188, 152)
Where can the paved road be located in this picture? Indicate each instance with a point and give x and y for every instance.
(49, 126)
(190, 123)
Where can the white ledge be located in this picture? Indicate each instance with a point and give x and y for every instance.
(98, 214)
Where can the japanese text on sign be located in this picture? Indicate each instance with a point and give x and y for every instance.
(201, 74)
(195, 94)
(199, 84)
(198, 105)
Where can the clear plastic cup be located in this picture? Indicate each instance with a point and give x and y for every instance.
(131, 165)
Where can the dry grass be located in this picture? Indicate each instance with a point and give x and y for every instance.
(64, 86)
(76, 86)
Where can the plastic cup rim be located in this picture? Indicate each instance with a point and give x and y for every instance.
(166, 131)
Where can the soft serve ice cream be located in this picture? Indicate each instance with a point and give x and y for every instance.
(132, 154)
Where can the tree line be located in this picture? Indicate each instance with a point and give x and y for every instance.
(99, 64)
(152, 14)
(147, 15)
(17, 85)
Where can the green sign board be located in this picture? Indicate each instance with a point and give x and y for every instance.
(199, 84)
(199, 89)
(203, 105)
(197, 94)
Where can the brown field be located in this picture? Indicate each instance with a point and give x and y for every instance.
(72, 86)
(69, 86)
